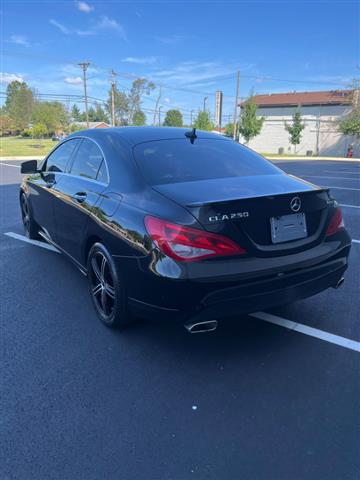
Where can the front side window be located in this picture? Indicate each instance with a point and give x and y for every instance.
(60, 158)
(87, 160)
(179, 160)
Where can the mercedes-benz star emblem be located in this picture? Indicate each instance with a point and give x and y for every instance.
(295, 204)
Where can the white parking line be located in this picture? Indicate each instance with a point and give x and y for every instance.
(8, 165)
(33, 242)
(267, 317)
(357, 172)
(333, 178)
(342, 188)
(348, 206)
(312, 332)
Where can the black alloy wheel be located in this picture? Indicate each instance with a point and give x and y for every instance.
(107, 292)
(30, 226)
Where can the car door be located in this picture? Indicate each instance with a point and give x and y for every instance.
(77, 194)
(42, 185)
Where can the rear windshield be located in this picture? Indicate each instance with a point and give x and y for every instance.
(179, 160)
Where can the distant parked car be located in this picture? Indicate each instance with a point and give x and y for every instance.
(184, 224)
(58, 138)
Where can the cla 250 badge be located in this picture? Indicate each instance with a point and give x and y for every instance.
(220, 217)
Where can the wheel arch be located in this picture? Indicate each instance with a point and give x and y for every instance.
(90, 241)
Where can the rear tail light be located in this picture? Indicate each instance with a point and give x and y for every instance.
(336, 223)
(186, 244)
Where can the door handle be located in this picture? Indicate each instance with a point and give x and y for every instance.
(80, 196)
(50, 183)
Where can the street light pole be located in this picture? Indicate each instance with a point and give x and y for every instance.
(205, 98)
(236, 105)
(84, 66)
(113, 84)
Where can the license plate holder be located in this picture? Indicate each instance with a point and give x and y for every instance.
(288, 227)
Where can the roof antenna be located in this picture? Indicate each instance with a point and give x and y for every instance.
(192, 135)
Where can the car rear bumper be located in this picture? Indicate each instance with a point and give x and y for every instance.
(265, 294)
(206, 299)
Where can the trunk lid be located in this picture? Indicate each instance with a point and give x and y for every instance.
(241, 208)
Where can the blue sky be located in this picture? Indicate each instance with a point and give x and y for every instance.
(192, 48)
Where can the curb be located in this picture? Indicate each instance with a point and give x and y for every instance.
(9, 159)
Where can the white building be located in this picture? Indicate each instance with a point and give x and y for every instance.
(320, 112)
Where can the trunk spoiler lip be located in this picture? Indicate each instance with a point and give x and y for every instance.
(275, 194)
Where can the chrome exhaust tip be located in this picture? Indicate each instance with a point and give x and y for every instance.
(201, 327)
(340, 282)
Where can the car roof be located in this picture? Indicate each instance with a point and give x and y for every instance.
(135, 135)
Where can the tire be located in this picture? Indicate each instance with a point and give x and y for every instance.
(107, 290)
(30, 226)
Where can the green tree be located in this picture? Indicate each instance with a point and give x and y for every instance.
(19, 104)
(38, 131)
(295, 128)
(126, 105)
(139, 88)
(100, 114)
(52, 114)
(121, 103)
(96, 114)
(250, 125)
(229, 129)
(6, 126)
(350, 125)
(203, 121)
(173, 118)
(91, 114)
(75, 113)
(74, 127)
(139, 118)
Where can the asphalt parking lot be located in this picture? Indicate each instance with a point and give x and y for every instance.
(253, 400)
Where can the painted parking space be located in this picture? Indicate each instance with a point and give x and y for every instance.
(124, 401)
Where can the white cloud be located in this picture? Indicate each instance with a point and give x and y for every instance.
(73, 80)
(84, 7)
(60, 26)
(141, 60)
(107, 23)
(10, 77)
(198, 73)
(192, 72)
(19, 40)
(85, 33)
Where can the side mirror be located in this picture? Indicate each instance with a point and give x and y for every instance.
(29, 167)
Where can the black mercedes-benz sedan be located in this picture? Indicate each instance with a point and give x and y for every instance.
(182, 223)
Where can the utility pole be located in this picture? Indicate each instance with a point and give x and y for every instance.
(318, 133)
(84, 66)
(205, 98)
(159, 115)
(191, 116)
(113, 85)
(156, 107)
(236, 104)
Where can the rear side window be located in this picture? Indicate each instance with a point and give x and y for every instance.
(179, 160)
(87, 160)
(59, 159)
(102, 174)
